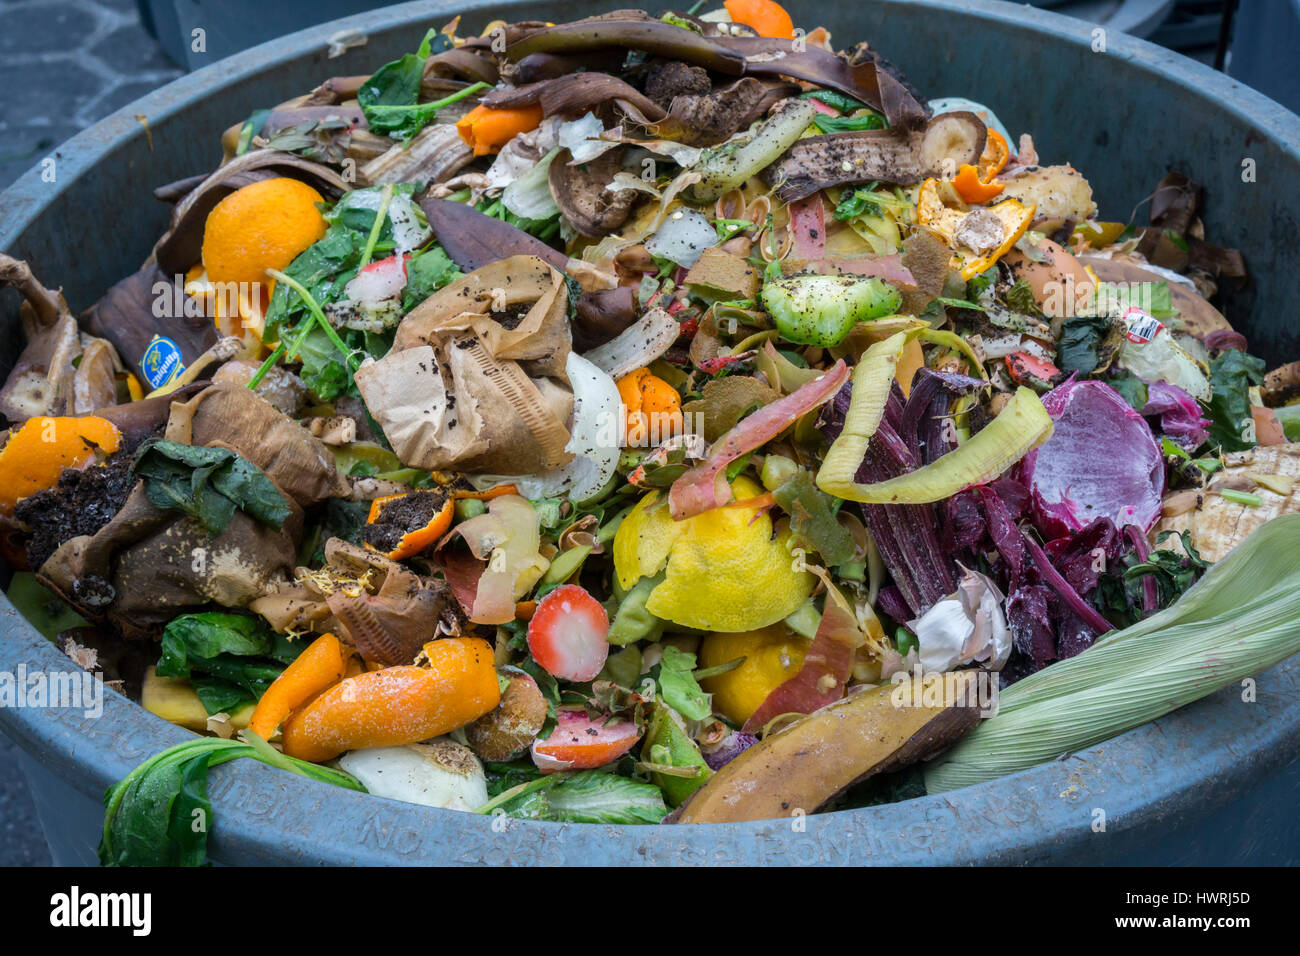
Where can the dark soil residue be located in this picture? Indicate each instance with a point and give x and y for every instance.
(398, 519)
(82, 502)
(513, 315)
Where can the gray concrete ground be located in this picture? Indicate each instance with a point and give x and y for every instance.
(65, 64)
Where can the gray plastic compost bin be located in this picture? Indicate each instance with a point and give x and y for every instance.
(1207, 783)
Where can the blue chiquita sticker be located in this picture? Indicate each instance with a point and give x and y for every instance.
(161, 362)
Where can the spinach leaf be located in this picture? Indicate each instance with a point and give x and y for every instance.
(230, 659)
(323, 269)
(426, 273)
(207, 484)
(678, 686)
(840, 124)
(834, 99)
(207, 634)
(1232, 373)
(159, 814)
(395, 84)
(390, 98)
(1080, 343)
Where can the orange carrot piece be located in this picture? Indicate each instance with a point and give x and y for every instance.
(317, 668)
(486, 129)
(768, 18)
(398, 705)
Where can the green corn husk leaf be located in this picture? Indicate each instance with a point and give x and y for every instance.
(1240, 619)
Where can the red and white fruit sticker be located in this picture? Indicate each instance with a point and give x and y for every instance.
(1141, 327)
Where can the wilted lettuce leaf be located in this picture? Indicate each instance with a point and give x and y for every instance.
(426, 273)
(589, 796)
(678, 686)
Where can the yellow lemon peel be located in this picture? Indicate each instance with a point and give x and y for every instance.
(724, 570)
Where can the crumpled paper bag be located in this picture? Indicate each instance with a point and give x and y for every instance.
(470, 389)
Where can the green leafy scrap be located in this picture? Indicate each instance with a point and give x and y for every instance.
(678, 686)
(587, 796)
(229, 659)
(208, 484)
(1232, 373)
(159, 814)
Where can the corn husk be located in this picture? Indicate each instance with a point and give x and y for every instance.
(1240, 619)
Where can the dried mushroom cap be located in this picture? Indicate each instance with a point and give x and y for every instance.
(580, 192)
(450, 756)
(506, 732)
(980, 231)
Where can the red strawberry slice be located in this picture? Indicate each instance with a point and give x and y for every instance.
(566, 634)
(379, 280)
(580, 743)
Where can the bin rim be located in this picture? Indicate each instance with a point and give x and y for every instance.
(1166, 773)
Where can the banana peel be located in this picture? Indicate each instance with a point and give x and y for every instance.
(805, 765)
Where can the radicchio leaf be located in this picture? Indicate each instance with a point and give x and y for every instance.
(825, 670)
(1179, 414)
(1101, 461)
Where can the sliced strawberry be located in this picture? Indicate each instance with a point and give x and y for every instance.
(566, 634)
(580, 743)
(379, 280)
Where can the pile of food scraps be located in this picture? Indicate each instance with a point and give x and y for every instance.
(646, 419)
